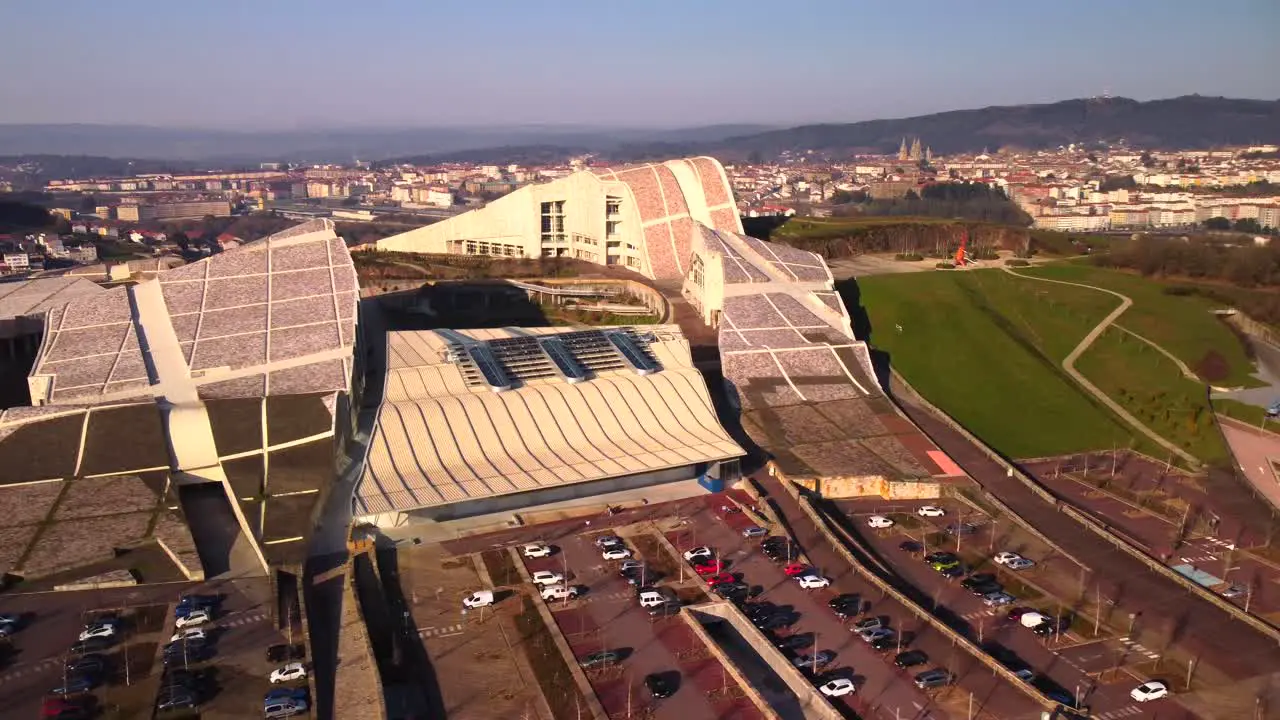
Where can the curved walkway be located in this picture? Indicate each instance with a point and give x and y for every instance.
(1069, 365)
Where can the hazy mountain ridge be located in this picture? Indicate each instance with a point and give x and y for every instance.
(338, 145)
(1190, 121)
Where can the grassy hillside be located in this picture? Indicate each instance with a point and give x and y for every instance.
(987, 347)
(1183, 325)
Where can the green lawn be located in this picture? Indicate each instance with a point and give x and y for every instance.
(1183, 325)
(1150, 386)
(986, 347)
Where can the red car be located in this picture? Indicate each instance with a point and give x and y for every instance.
(796, 569)
(711, 568)
(720, 579)
(1018, 612)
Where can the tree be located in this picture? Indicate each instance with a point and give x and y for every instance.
(912, 195)
(1249, 225)
(1217, 223)
(1147, 160)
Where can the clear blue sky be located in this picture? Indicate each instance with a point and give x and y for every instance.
(668, 63)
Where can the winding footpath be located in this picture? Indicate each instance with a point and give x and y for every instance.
(1069, 365)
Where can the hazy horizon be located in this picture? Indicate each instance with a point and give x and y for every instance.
(325, 65)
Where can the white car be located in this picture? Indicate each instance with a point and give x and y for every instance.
(1020, 564)
(879, 521)
(197, 617)
(698, 553)
(1150, 690)
(1004, 558)
(559, 592)
(478, 599)
(616, 553)
(98, 631)
(809, 582)
(629, 565)
(931, 511)
(189, 634)
(997, 599)
(837, 687)
(546, 577)
(536, 550)
(289, 673)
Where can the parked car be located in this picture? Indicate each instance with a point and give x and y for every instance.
(175, 701)
(628, 565)
(795, 569)
(599, 659)
(1018, 612)
(910, 658)
(870, 623)
(721, 579)
(775, 621)
(774, 541)
(727, 590)
(941, 556)
(930, 511)
(891, 641)
(1020, 564)
(195, 633)
(934, 678)
(546, 577)
(953, 571)
(986, 589)
(782, 554)
(997, 599)
(193, 618)
(92, 645)
(837, 688)
(816, 660)
(810, 582)
(605, 541)
(701, 553)
(666, 609)
(1232, 592)
(660, 685)
(910, 546)
(870, 636)
(754, 531)
(1026, 675)
(94, 663)
(794, 642)
(286, 709)
(283, 694)
(1150, 690)
(101, 630)
(615, 553)
(977, 579)
(478, 599)
(289, 673)
(1003, 558)
(963, 529)
(944, 565)
(709, 568)
(536, 550)
(846, 605)
(559, 592)
(188, 604)
(879, 522)
(74, 684)
(281, 653)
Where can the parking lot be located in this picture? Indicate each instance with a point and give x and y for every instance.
(240, 635)
(1017, 646)
(607, 616)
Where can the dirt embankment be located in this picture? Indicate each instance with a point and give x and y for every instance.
(921, 238)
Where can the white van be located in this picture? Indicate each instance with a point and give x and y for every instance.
(1033, 619)
(478, 599)
(652, 598)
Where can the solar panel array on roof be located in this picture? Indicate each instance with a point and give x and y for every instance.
(488, 366)
(569, 368)
(639, 358)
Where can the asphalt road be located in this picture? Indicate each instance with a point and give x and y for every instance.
(1161, 607)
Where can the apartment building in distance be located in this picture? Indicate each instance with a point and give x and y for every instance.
(190, 210)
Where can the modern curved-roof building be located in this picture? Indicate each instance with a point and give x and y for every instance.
(233, 374)
(640, 217)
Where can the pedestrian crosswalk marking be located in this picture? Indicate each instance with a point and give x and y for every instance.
(1127, 711)
(441, 631)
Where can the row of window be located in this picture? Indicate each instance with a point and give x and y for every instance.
(484, 247)
(553, 222)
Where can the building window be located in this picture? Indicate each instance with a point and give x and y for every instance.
(695, 272)
(633, 262)
(611, 228)
(612, 206)
(553, 222)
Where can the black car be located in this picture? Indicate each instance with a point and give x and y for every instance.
(954, 571)
(728, 590)
(775, 621)
(889, 642)
(846, 606)
(76, 683)
(941, 556)
(978, 579)
(795, 642)
(92, 645)
(282, 653)
(758, 610)
(960, 529)
(600, 659)
(666, 609)
(910, 658)
(911, 546)
(92, 663)
(773, 541)
(660, 685)
(986, 588)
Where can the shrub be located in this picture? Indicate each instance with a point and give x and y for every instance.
(945, 266)
(1017, 262)
(908, 257)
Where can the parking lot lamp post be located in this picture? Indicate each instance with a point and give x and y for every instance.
(991, 546)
